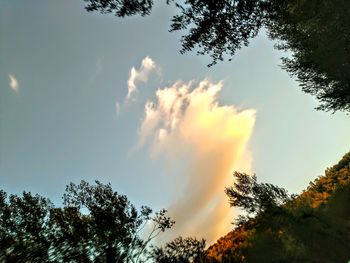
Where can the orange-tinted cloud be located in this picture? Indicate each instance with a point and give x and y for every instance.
(187, 123)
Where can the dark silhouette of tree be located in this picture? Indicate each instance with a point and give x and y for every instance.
(24, 228)
(317, 32)
(120, 8)
(255, 198)
(96, 224)
(180, 250)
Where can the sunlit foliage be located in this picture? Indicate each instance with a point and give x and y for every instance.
(311, 227)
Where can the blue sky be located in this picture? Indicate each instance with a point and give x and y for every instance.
(59, 124)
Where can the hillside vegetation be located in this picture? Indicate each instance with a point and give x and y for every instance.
(311, 227)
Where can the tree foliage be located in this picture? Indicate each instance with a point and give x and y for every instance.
(276, 227)
(181, 250)
(24, 226)
(96, 224)
(317, 33)
(255, 198)
(218, 27)
(120, 8)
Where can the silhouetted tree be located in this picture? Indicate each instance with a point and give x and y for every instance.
(121, 7)
(180, 250)
(255, 198)
(96, 224)
(317, 32)
(24, 228)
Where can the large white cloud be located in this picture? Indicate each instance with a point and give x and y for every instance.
(186, 122)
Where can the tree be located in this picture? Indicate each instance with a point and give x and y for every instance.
(121, 8)
(278, 227)
(180, 250)
(265, 219)
(317, 32)
(254, 198)
(95, 224)
(24, 228)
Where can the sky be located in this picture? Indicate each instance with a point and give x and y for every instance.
(95, 97)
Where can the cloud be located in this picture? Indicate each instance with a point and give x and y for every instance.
(117, 108)
(141, 75)
(13, 83)
(186, 122)
(97, 72)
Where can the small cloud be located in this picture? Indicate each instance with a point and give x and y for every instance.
(97, 72)
(117, 108)
(13, 83)
(141, 75)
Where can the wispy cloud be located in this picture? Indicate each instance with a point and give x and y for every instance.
(140, 75)
(186, 121)
(13, 83)
(117, 108)
(136, 76)
(97, 72)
